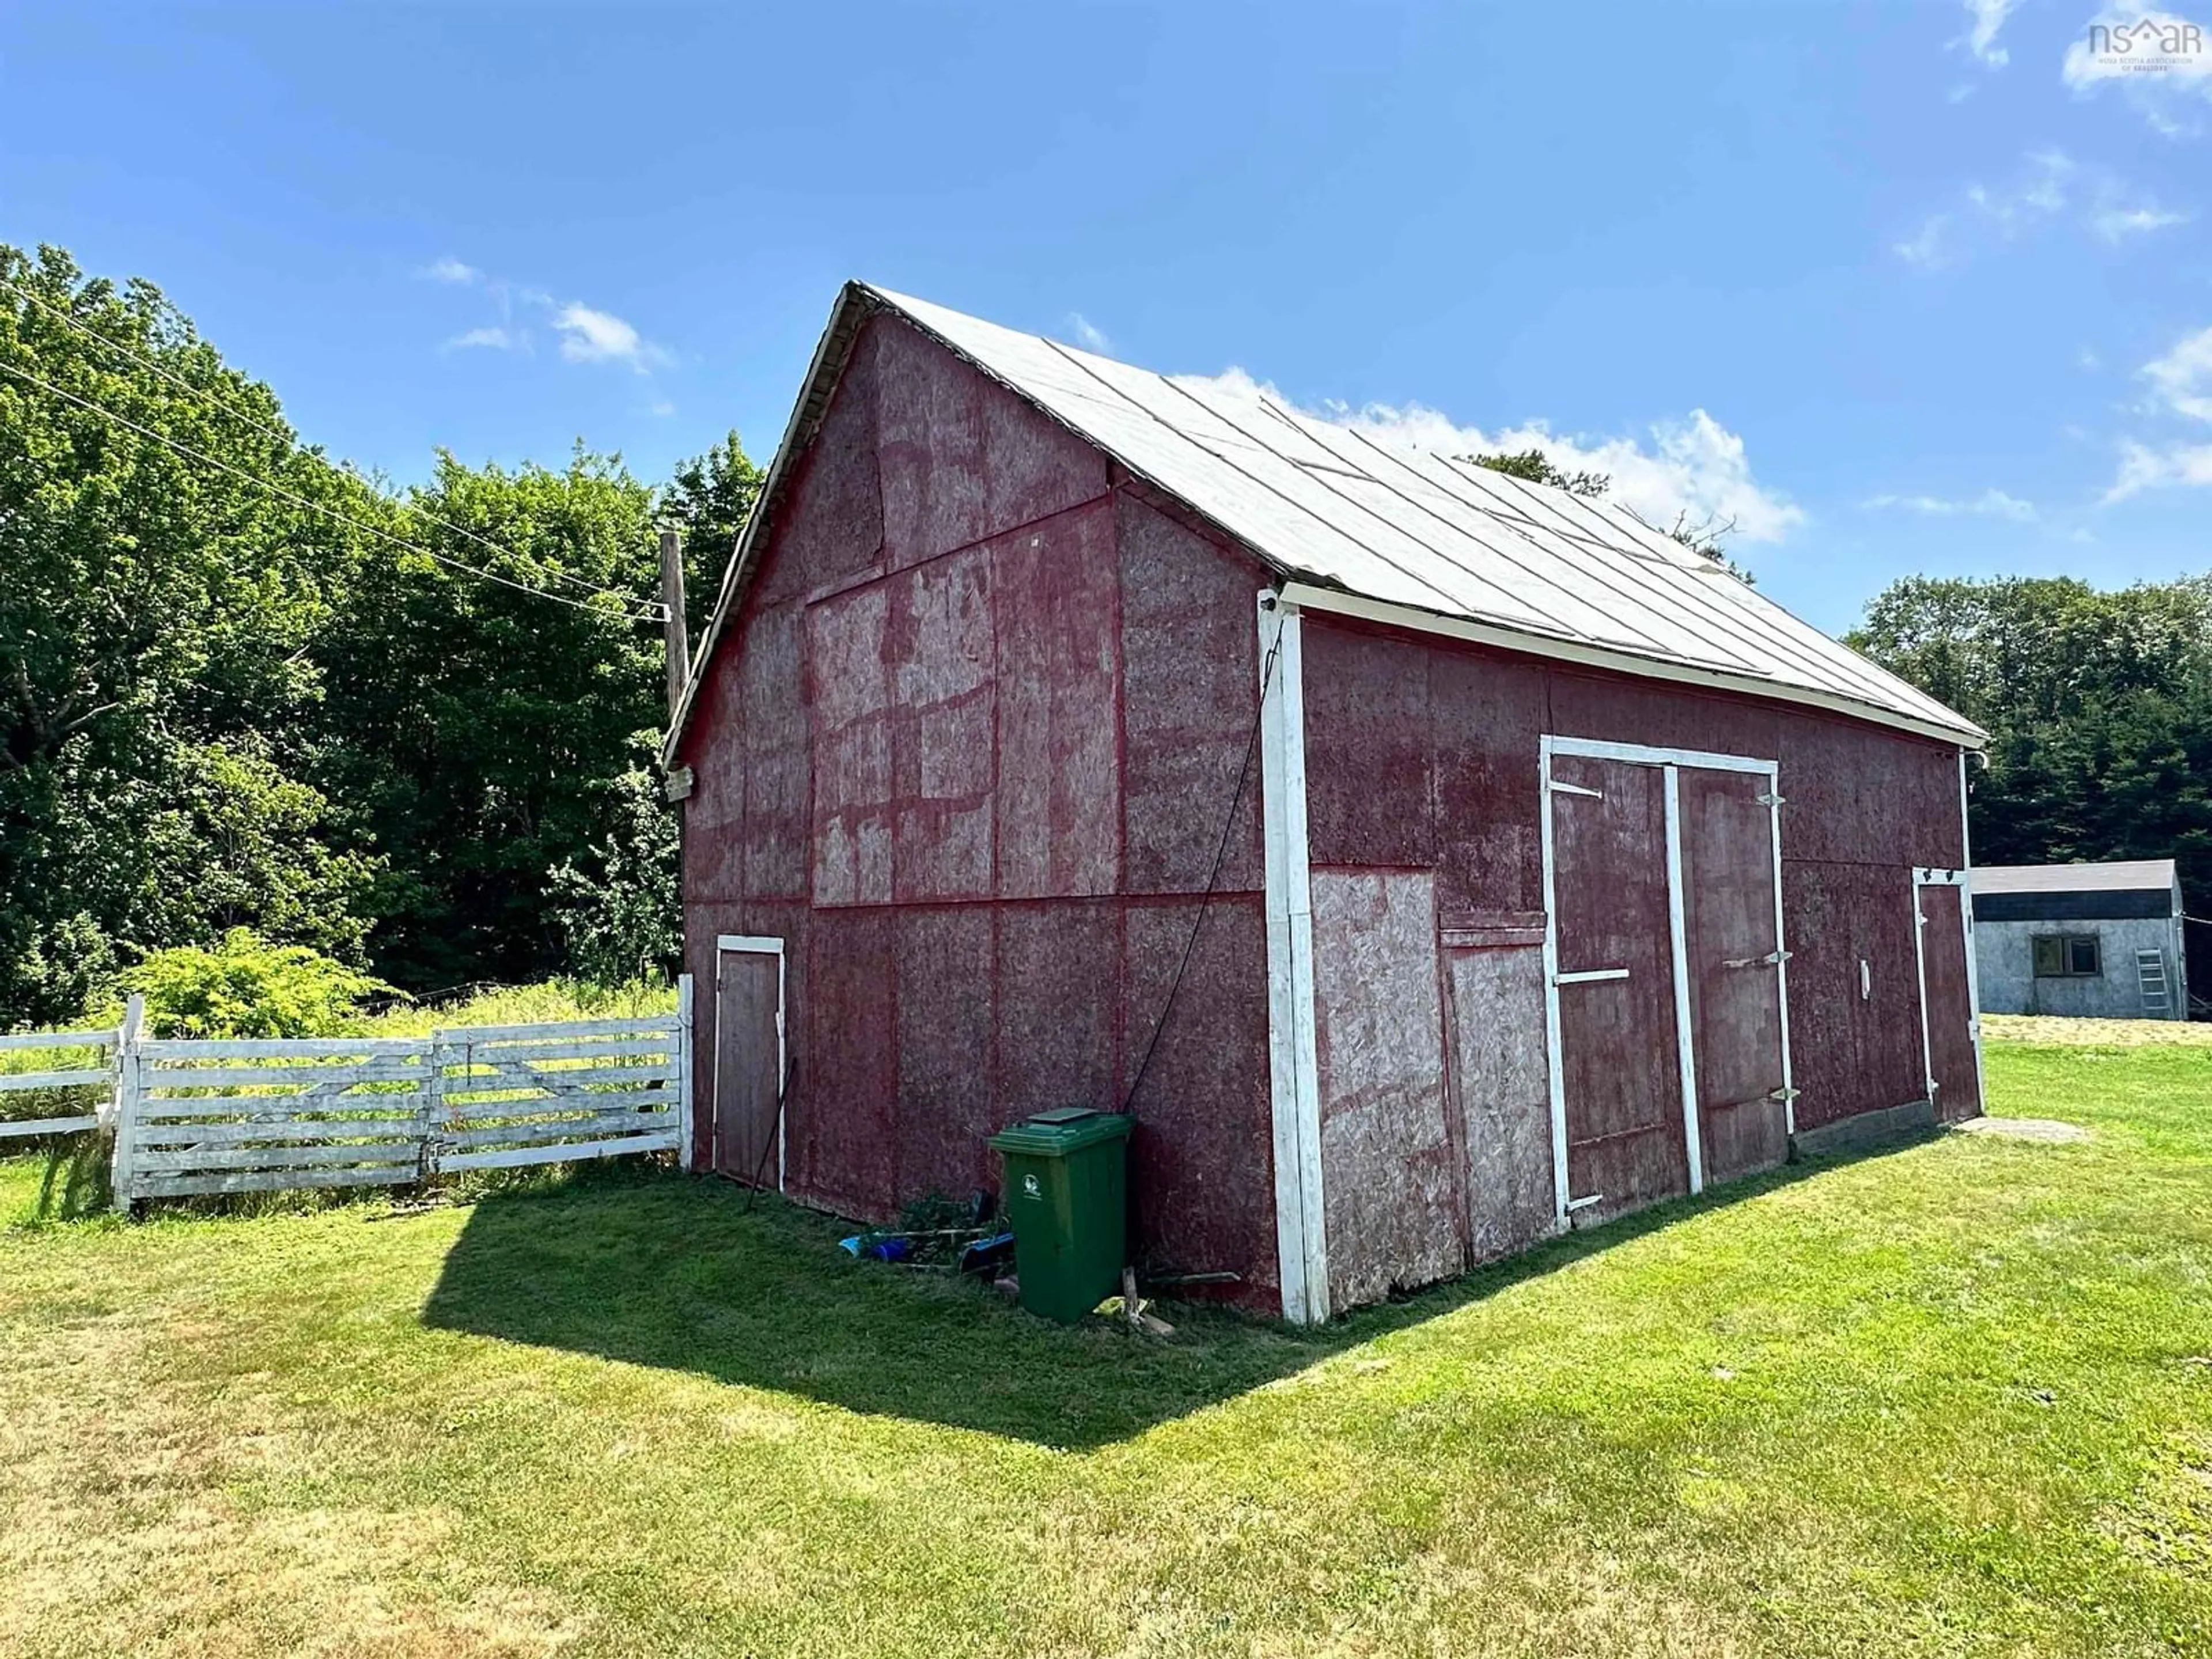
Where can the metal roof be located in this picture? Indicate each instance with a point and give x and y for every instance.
(1410, 535)
(2120, 876)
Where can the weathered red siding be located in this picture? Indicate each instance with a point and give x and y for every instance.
(967, 750)
(1422, 756)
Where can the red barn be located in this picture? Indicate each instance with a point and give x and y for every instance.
(1429, 860)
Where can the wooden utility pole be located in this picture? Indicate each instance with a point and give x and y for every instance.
(671, 600)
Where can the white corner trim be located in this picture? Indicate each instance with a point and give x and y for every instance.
(1678, 940)
(753, 945)
(1293, 1068)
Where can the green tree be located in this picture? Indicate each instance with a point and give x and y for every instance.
(467, 724)
(618, 906)
(2097, 703)
(156, 612)
(1535, 467)
(242, 986)
(708, 498)
(1705, 536)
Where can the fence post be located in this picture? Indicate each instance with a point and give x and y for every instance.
(130, 1092)
(433, 1104)
(684, 1020)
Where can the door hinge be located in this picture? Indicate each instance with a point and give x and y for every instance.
(1782, 1097)
(1583, 1203)
(1771, 959)
(1772, 799)
(1558, 788)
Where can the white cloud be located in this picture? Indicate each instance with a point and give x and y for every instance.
(2042, 191)
(2116, 224)
(489, 339)
(2051, 188)
(1694, 469)
(2142, 467)
(1927, 247)
(1981, 38)
(2161, 61)
(1088, 334)
(1990, 504)
(2182, 379)
(2181, 385)
(600, 337)
(587, 335)
(661, 409)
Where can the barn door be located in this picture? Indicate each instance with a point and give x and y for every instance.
(1950, 1025)
(1669, 1003)
(1617, 1090)
(749, 1058)
(1732, 947)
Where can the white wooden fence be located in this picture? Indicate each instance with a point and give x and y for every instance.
(102, 1075)
(202, 1116)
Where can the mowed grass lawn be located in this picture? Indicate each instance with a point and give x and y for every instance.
(1951, 1399)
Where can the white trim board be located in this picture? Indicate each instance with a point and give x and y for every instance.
(1973, 974)
(1293, 1066)
(1639, 754)
(1308, 597)
(753, 944)
(1963, 880)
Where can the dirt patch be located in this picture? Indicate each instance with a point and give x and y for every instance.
(2095, 1033)
(2047, 1129)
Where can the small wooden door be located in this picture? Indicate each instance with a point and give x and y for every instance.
(1951, 1027)
(749, 1060)
(1733, 948)
(1620, 1084)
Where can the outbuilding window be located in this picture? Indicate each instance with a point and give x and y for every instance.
(2067, 956)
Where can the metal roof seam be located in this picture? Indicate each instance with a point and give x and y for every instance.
(1480, 540)
(1371, 552)
(1578, 579)
(1630, 583)
(1566, 629)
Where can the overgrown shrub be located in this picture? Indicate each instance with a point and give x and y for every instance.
(248, 987)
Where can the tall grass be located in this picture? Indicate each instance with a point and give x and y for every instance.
(548, 1002)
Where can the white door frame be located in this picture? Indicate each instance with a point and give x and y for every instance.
(1924, 875)
(1670, 762)
(751, 944)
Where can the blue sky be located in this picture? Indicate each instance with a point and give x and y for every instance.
(1908, 286)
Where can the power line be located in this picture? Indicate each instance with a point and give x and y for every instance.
(294, 496)
(287, 439)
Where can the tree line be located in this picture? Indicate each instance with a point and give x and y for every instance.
(2097, 703)
(243, 685)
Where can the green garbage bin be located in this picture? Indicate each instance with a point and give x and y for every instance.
(1067, 1197)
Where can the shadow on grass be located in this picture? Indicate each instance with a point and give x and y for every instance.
(74, 1183)
(662, 1270)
